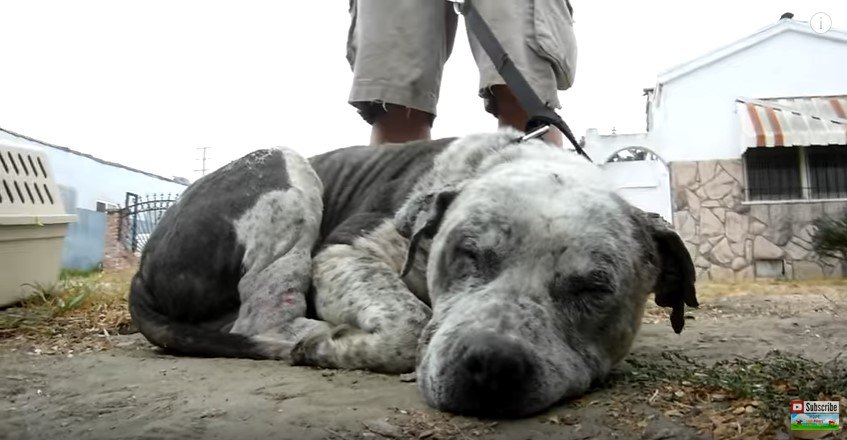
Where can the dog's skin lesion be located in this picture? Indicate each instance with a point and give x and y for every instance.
(507, 274)
(278, 233)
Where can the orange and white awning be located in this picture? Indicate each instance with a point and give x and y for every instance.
(785, 122)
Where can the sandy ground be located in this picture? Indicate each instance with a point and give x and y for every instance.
(131, 391)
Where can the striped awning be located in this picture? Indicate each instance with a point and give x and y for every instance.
(785, 122)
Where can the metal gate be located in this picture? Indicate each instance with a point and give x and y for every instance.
(642, 178)
(140, 216)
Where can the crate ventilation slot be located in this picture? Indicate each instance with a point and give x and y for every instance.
(24, 179)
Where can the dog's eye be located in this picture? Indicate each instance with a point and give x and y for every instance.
(593, 282)
(467, 249)
(471, 260)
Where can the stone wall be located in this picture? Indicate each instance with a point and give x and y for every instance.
(116, 256)
(725, 236)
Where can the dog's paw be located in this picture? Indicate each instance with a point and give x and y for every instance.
(315, 349)
(322, 349)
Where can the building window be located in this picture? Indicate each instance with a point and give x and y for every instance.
(773, 173)
(796, 173)
(827, 172)
(105, 206)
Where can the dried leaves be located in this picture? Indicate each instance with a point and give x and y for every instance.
(78, 314)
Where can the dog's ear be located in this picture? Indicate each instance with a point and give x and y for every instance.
(461, 161)
(675, 282)
(420, 218)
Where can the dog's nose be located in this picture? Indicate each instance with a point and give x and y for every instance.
(495, 374)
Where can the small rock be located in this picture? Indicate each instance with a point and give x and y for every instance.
(749, 409)
(408, 377)
(679, 393)
(673, 413)
(426, 434)
(569, 419)
(212, 412)
(739, 410)
(782, 435)
(663, 434)
(718, 397)
(383, 428)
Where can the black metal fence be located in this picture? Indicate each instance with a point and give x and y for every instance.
(140, 216)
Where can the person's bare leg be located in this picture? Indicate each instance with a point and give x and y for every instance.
(511, 114)
(400, 124)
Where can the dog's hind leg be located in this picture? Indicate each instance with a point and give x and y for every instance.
(278, 234)
(358, 288)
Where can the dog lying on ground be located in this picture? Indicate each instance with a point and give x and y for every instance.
(507, 274)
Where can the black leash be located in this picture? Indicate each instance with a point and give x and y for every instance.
(541, 117)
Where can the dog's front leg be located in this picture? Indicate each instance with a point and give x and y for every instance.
(378, 319)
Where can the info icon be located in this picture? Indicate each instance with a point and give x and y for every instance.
(796, 406)
(821, 23)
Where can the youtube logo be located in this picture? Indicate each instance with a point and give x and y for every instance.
(796, 406)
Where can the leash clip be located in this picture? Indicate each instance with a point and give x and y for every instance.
(535, 134)
(457, 6)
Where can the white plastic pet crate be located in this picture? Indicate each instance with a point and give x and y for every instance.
(33, 223)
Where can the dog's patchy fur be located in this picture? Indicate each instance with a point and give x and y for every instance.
(507, 274)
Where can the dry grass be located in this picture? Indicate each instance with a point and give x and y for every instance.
(436, 425)
(79, 313)
(708, 290)
(738, 398)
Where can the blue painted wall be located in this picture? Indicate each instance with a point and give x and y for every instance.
(85, 241)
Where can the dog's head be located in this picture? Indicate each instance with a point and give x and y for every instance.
(537, 272)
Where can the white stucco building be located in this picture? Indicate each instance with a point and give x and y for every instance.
(93, 180)
(752, 143)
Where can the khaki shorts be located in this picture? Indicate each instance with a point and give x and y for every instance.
(397, 49)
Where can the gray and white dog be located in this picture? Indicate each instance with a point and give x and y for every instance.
(507, 274)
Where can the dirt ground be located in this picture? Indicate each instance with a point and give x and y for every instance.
(129, 390)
